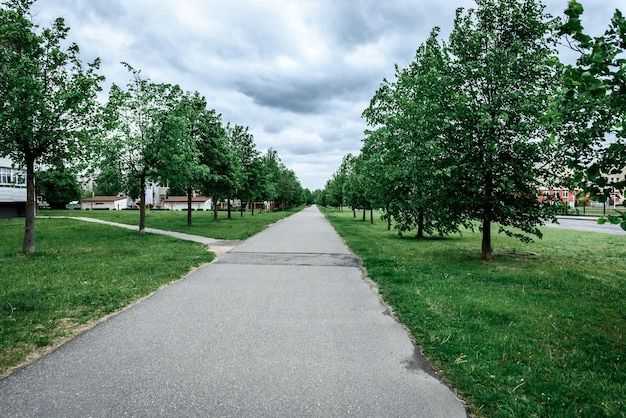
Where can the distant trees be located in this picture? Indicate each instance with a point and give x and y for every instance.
(281, 184)
(58, 186)
(47, 98)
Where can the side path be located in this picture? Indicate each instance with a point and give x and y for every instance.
(219, 247)
(283, 325)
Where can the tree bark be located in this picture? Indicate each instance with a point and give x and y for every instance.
(28, 245)
(214, 207)
(189, 205)
(228, 207)
(371, 216)
(420, 225)
(486, 244)
(142, 207)
(364, 211)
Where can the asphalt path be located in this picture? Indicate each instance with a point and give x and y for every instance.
(282, 325)
(586, 225)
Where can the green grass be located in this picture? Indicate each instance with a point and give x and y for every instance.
(520, 336)
(237, 228)
(80, 273)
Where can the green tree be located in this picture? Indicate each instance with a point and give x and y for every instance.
(308, 197)
(110, 181)
(58, 187)
(271, 171)
(219, 155)
(287, 188)
(250, 167)
(48, 98)
(143, 133)
(187, 170)
(505, 74)
(406, 153)
(594, 106)
(335, 188)
(355, 191)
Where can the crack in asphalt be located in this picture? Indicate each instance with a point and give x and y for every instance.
(290, 259)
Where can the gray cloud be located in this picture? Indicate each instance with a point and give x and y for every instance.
(298, 73)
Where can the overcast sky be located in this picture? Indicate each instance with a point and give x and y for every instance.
(298, 73)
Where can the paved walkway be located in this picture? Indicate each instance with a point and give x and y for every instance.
(283, 325)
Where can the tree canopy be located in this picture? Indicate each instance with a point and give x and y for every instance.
(48, 98)
(143, 133)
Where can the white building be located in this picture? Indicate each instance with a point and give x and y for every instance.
(12, 190)
(180, 203)
(104, 203)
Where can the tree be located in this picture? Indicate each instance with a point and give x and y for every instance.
(143, 132)
(288, 189)
(110, 181)
(271, 171)
(187, 170)
(250, 179)
(593, 106)
(47, 98)
(217, 153)
(355, 192)
(504, 70)
(406, 153)
(58, 186)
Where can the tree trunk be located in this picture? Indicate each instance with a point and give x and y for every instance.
(372, 216)
(189, 205)
(228, 207)
(354, 212)
(214, 207)
(28, 246)
(142, 207)
(388, 218)
(364, 215)
(420, 225)
(486, 245)
(252, 210)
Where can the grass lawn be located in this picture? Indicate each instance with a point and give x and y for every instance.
(520, 336)
(80, 273)
(237, 228)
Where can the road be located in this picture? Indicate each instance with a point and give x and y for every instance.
(586, 225)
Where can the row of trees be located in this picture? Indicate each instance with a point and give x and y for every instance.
(471, 130)
(157, 132)
(50, 116)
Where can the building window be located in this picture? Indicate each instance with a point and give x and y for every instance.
(12, 177)
(565, 194)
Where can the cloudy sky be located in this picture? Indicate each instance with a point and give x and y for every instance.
(298, 73)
